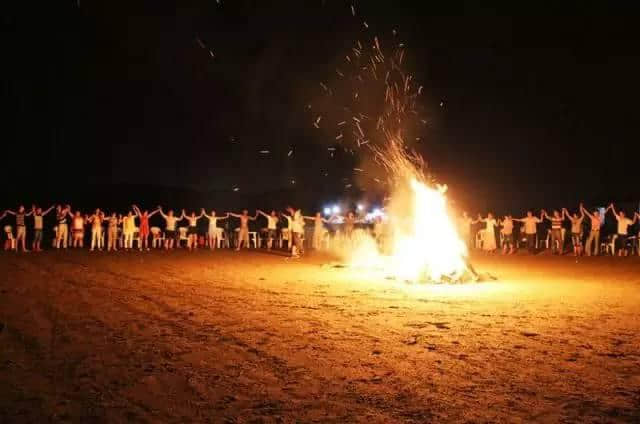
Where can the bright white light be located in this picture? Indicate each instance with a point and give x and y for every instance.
(327, 211)
(360, 207)
(336, 209)
(376, 212)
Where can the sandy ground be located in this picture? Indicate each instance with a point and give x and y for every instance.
(250, 337)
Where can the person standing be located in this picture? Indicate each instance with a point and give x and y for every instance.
(62, 228)
(272, 226)
(192, 229)
(489, 237)
(243, 233)
(507, 233)
(112, 232)
(623, 230)
(143, 232)
(465, 229)
(576, 230)
(297, 231)
(21, 228)
(530, 229)
(214, 232)
(594, 233)
(77, 230)
(170, 229)
(38, 227)
(556, 231)
(318, 229)
(96, 229)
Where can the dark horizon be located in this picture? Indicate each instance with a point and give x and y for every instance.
(536, 112)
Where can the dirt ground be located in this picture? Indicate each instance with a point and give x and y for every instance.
(252, 337)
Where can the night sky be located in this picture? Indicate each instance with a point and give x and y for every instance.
(536, 112)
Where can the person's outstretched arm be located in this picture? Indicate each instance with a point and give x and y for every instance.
(136, 211)
(259, 212)
(584, 211)
(223, 217)
(153, 213)
(161, 212)
(235, 215)
(48, 210)
(10, 212)
(613, 209)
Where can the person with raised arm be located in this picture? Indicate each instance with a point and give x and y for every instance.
(594, 233)
(192, 229)
(243, 233)
(623, 229)
(62, 227)
(77, 229)
(296, 223)
(128, 229)
(576, 229)
(272, 226)
(489, 238)
(530, 229)
(214, 232)
(556, 231)
(96, 229)
(464, 223)
(38, 227)
(112, 232)
(170, 230)
(21, 228)
(143, 232)
(507, 233)
(318, 229)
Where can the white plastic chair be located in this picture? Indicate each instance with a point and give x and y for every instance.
(222, 238)
(253, 238)
(9, 233)
(609, 246)
(157, 238)
(183, 234)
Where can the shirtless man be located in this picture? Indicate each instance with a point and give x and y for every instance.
(38, 227)
(243, 234)
(576, 230)
(170, 230)
(594, 234)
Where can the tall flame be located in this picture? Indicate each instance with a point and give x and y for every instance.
(422, 240)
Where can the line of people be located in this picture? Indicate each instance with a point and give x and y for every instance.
(70, 227)
(557, 219)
